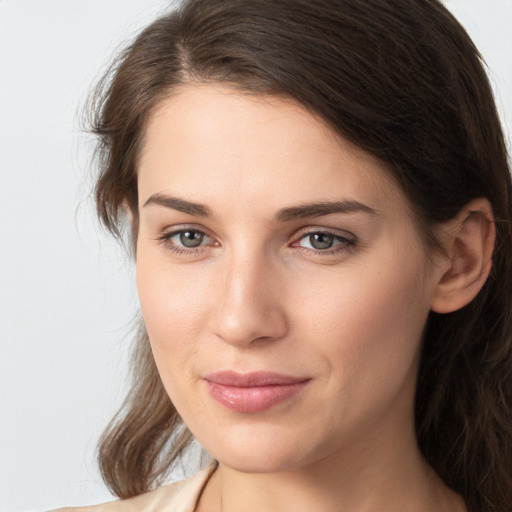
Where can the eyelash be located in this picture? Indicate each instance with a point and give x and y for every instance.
(345, 243)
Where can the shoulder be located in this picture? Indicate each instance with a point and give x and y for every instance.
(177, 497)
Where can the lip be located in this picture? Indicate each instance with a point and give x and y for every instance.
(252, 392)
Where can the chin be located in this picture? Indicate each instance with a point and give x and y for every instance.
(258, 452)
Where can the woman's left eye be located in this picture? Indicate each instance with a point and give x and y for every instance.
(320, 241)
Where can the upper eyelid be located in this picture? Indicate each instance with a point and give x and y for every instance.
(341, 233)
(174, 230)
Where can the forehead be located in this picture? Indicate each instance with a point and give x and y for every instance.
(214, 145)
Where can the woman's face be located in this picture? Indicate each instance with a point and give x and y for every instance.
(282, 281)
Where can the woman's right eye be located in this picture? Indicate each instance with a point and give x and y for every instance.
(189, 239)
(185, 240)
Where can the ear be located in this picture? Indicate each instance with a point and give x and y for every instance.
(469, 243)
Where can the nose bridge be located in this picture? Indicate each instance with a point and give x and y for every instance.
(249, 305)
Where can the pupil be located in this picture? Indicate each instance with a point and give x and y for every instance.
(191, 238)
(321, 241)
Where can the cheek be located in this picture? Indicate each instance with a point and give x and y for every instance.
(366, 327)
(174, 307)
(361, 298)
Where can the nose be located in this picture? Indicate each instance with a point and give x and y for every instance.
(249, 303)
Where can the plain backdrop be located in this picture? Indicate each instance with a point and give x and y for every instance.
(67, 297)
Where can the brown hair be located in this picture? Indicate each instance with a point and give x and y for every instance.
(403, 81)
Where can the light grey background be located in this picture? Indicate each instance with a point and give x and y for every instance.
(66, 292)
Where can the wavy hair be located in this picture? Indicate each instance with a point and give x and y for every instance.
(402, 80)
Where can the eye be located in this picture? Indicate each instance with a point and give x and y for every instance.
(324, 242)
(186, 240)
(190, 239)
(320, 241)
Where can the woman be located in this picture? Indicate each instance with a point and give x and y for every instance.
(320, 205)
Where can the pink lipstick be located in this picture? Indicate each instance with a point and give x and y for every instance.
(252, 392)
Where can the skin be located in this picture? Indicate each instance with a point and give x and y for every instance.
(256, 294)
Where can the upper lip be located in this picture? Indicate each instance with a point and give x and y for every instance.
(252, 379)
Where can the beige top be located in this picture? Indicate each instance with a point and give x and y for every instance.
(177, 497)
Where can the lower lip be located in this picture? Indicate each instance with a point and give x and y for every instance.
(253, 399)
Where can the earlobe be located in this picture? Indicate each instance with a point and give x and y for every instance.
(470, 239)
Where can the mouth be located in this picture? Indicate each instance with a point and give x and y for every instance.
(252, 392)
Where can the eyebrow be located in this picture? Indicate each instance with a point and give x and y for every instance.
(312, 210)
(303, 211)
(196, 209)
